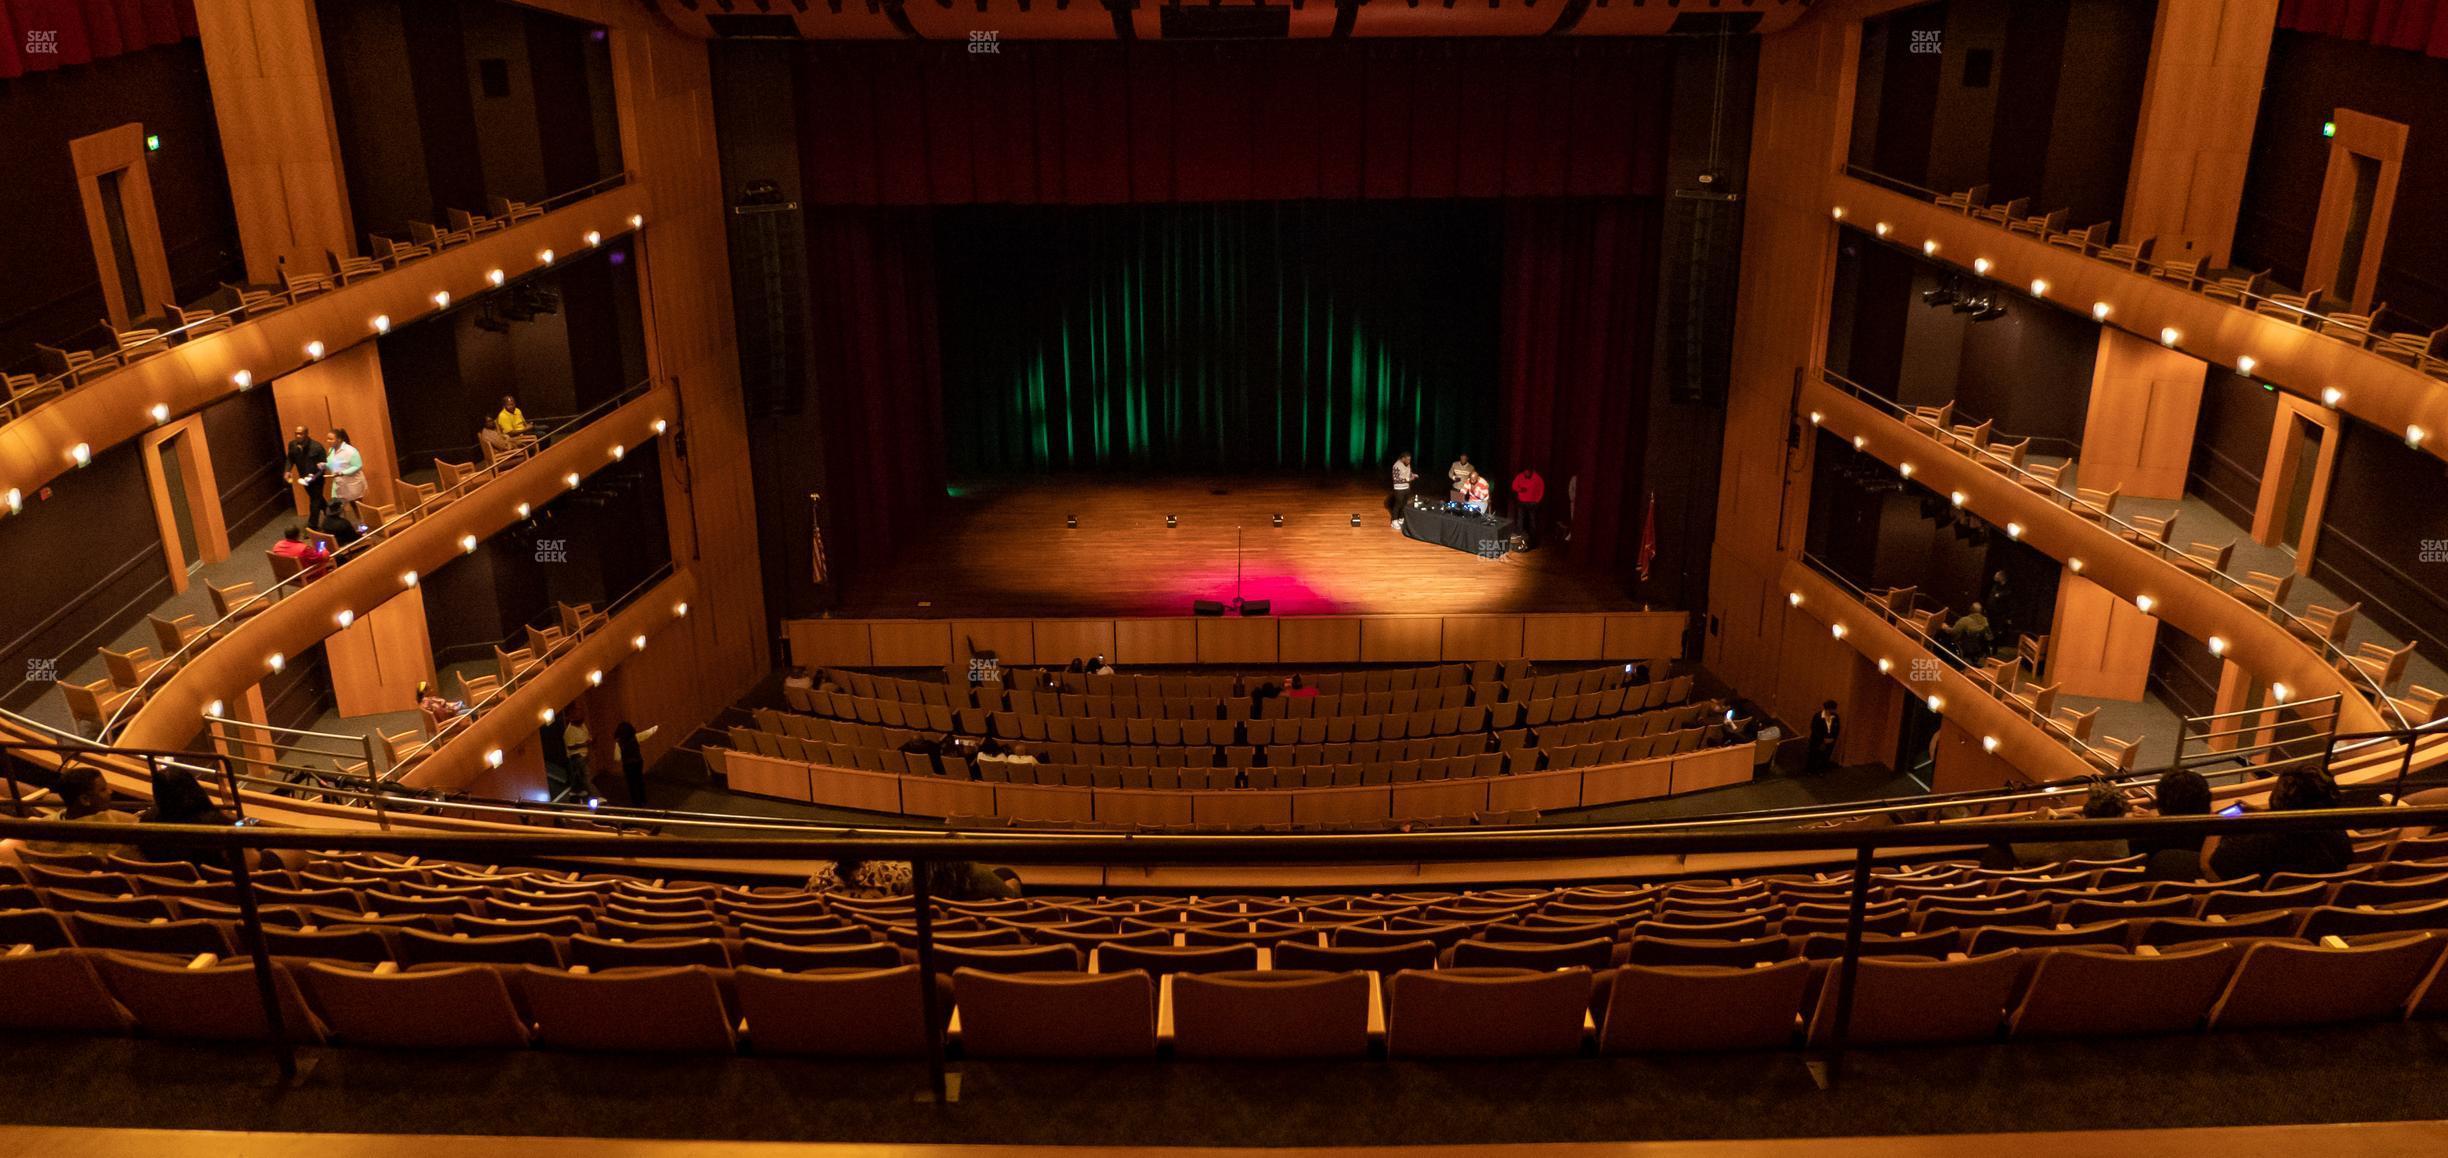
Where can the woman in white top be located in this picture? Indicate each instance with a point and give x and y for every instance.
(1404, 472)
(346, 469)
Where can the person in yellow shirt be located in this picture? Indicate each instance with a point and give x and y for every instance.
(512, 420)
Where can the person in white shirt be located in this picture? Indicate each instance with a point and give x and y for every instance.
(1404, 472)
(1460, 475)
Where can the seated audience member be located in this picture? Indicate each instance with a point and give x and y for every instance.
(1015, 755)
(340, 527)
(965, 880)
(863, 879)
(2181, 792)
(83, 795)
(2259, 854)
(1765, 737)
(1970, 633)
(439, 712)
(1266, 690)
(2103, 803)
(179, 799)
(492, 443)
(1100, 667)
(1296, 689)
(800, 678)
(313, 559)
(511, 420)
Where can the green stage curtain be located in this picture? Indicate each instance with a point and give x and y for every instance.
(1249, 336)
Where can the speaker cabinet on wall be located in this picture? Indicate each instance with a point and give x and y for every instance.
(1700, 281)
(1207, 607)
(1256, 606)
(769, 292)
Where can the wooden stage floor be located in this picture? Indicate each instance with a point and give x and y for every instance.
(1000, 548)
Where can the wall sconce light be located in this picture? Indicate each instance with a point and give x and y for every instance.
(243, 379)
(637, 221)
(344, 618)
(15, 500)
(545, 716)
(1883, 228)
(594, 237)
(660, 426)
(2074, 565)
(496, 276)
(2415, 435)
(408, 579)
(637, 643)
(1837, 630)
(1980, 265)
(1936, 704)
(80, 454)
(1886, 665)
(1816, 417)
(1837, 213)
(1905, 469)
(544, 257)
(2280, 692)
(572, 479)
(382, 323)
(595, 678)
(1956, 497)
(2169, 336)
(314, 350)
(2039, 287)
(2245, 364)
(1793, 598)
(276, 661)
(2218, 646)
(523, 509)
(1989, 743)
(214, 708)
(493, 758)
(680, 610)
(160, 413)
(2099, 311)
(2332, 396)
(467, 544)
(1930, 248)
(441, 299)
(2145, 602)
(1861, 442)
(2014, 531)
(619, 452)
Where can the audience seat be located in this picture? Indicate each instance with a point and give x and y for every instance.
(1056, 1015)
(1160, 960)
(1594, 955)
(57, 991)
(1683, 1008)
(2284, 984)
(204, 998)
(1486, 1012)
(415, 947)
(1385, 960)
(454, 1007)
(1283, 1013)
(853, 1012)
(674, 1010)
(1910, 1001)
(2090, 992)
(788, 958)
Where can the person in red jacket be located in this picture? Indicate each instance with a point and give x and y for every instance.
(1529, 490)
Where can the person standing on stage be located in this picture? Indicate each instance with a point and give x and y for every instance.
(1825, 729)
(1460, 475)
(1529, 490)
(1404, 472)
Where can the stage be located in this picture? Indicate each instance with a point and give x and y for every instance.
(1000, 548)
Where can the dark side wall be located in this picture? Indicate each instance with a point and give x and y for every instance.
(2384, 535)
(52, 291)
(593, 545)
(2310, 77)
(2231, 444)
(85, 562)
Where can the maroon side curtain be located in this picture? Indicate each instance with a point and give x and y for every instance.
(1059, 122)
(1578, 330)
(871, 292)
(2417, 25)
(44, 35)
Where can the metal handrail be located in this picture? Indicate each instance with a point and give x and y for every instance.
(236, 315)
(373, 536)
(2246, 300)
(2133, 536)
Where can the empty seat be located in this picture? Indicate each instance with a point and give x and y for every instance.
(2086, 992)
(416, 947)
(1681, 1008)
(1057, 1015)
(1912, 1001)
(204, 999)
(1158, 960)
(797, 958)
(2281, 984)
(456, 1007)
(1738, 954)
(58, 990)
(1012, 959)
(364, 946)
(676, 1010)
(1486, 1012)
(1383, 959)
(181, 938)
(1594, 954)
(1284, 1013)
(840, 1012)
(598, 953)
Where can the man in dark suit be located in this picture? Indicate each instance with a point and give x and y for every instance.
(1825, 727)
(304, 457)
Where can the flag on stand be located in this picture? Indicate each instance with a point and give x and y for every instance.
(1648, 550)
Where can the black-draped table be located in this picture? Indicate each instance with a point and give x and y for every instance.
(1490, 536)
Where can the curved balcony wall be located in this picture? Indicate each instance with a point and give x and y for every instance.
(173, 711)
(2301, 361)
(115, 407)
(2033, 750)
(2188, 603)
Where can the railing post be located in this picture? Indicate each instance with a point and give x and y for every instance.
(925, 906)
(375, 783)
(2405, 768)
(1849, 965)
(250, 930)
(8, 772)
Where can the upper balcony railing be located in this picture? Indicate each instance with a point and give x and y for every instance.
(2264, 595)
(59, 425)
(2352, 363)
(62, 369)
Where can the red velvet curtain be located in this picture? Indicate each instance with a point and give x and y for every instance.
(871, 293)
(43, 35)
(1578, 333)
(1090, 123)
(2418, 25)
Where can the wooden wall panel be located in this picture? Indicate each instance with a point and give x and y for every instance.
(1154, 642)
(1712, 768)
(1236, 640)
(1320, 639)
(1014, 641)
(377, 663)
(1059, 641)
(1042, 802)
(1545, 791)
(1564, 637)
(1468, 637)
(849, 788)
(122, 150)
(2145, 400)
(2101, 644)
(1241, 809)
(2200, 100)
(766, 776)
(1626, 782)
(1645, 636)
(1332, 806)
(1434, 798)
(1402, 639)
(1153, 806)
(829, 642)
(912, 643)
(344, 391)
(936, 796)
(279, 140)
(1964, 765)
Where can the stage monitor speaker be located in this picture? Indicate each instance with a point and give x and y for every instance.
(1207, 607)
(769, 304)
(1256, 606)
(1700, 282)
